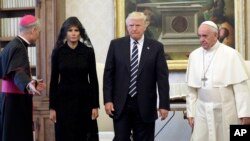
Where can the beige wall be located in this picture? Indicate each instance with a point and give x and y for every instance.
(104, 122)
(97, 16)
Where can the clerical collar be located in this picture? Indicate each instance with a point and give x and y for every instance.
(24, 39)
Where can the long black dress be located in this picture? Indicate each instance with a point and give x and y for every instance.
(73, 91)
(16, 108)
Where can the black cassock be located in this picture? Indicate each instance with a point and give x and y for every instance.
(15, 107)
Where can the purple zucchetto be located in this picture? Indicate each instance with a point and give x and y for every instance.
(27, 20)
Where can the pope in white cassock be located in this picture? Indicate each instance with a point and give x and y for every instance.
(219, 94)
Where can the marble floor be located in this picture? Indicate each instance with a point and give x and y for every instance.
(106, 136)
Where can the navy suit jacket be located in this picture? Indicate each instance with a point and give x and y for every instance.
(152, 76)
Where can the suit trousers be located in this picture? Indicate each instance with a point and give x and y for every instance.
(130, 126)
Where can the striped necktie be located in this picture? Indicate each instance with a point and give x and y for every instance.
(133, 70)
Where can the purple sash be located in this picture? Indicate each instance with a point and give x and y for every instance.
(8, 86)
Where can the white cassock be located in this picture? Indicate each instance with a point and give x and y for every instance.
(221, 99)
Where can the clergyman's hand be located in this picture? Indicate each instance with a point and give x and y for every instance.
(35, 87)
(40, 85)
(31, 87)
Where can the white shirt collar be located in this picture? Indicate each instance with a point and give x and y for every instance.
(24, 39)
(140, 41)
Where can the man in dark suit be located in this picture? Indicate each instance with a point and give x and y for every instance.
(131, 80)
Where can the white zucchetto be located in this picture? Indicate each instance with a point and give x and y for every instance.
(210, 23)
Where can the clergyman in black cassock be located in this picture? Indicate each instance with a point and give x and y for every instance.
(17, 84)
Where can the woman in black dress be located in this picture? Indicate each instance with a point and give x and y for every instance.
(74, 92)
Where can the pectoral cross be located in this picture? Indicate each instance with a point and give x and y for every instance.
(204, 79)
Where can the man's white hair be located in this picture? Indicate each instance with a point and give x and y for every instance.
(136, 15)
